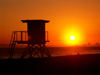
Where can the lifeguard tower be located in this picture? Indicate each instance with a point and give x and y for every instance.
(36, 38)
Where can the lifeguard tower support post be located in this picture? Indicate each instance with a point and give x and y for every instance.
(37, 38)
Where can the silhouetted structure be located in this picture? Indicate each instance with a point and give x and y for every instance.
(97, 43)
(36, 38)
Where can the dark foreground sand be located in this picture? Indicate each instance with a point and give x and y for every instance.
(63, 65)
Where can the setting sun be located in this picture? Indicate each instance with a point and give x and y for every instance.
(72, 37)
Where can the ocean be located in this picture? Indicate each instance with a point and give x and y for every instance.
(54, 51)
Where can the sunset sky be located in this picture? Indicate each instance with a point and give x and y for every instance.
(80, 18)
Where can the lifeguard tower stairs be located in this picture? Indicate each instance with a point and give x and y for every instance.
(36, 38)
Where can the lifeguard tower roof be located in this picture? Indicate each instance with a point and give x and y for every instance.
(24, 21)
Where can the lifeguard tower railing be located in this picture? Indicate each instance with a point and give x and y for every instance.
(21, 37)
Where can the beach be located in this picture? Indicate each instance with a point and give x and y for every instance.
(87, 64)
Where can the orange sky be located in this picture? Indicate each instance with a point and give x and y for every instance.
(67, 17)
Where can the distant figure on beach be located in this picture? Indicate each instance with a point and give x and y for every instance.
(77, 53)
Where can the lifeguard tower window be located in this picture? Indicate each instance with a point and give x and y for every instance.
(36, 31)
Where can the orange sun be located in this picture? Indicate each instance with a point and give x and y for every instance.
(72, 37)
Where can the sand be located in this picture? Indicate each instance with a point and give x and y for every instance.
(62, 65)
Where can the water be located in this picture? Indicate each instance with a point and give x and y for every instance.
(62, 51)
(55, 51)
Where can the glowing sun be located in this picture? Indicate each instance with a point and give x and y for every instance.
(72, 37)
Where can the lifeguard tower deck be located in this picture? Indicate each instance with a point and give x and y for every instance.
(36, 38)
